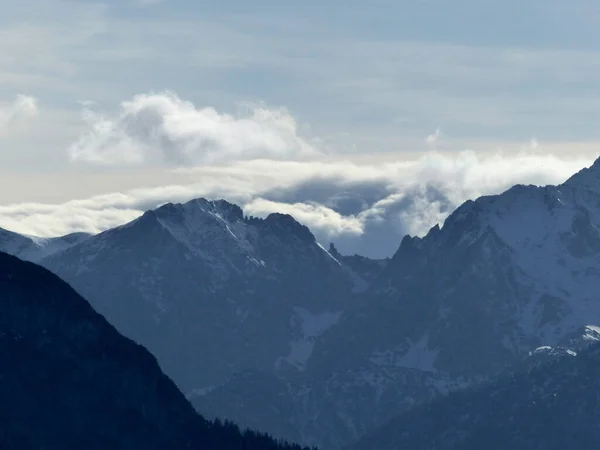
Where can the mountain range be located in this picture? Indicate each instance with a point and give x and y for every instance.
(259, 323)
(211, 292)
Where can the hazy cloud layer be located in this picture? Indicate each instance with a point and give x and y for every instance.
(162, 128)
(364, 208)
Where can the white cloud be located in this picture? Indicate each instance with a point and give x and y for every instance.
(15, 113)
(86, 103)
(364, 208)
(334, 77)
(320, 219)
(162, 128)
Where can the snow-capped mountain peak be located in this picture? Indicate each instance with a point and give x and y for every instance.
(551, 236)
(204, 226)
(210, 228)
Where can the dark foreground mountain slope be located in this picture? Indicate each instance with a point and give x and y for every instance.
(553, 406)
(68, 380)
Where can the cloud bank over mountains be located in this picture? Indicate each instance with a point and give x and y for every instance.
(262, 159)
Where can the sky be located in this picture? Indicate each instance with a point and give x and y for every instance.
(364, 120)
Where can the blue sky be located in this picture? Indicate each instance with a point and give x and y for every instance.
(362, 81)
(476, 69)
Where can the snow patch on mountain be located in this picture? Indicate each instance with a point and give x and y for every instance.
(548, 351)
(200, 392)
(592, 333)
(311, 327)
(418, 356)
(541, 349)
(314, 325)
(329, 254)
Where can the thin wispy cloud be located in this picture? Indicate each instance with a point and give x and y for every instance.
(147, 2)
(17, 112)
(433, 138)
